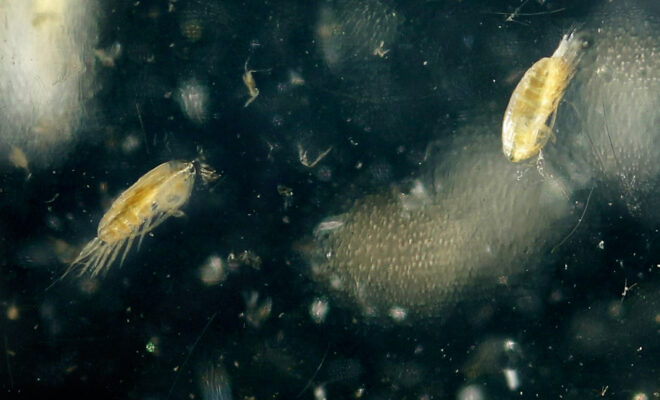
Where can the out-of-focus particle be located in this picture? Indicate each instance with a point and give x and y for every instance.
(295, 78)
(640, 396)
(256, 312)
(88, 286)
(287, 193)
(601, 245)
(193, 99)
(511, 377)
(492, 357)
(215, 383)
(381, 172)
(64, 252)
(192, 28)
(19, 160)
(470, 392)
(398, 314)
(318, 310)
(359, 392)
(109, 55)
(130, 144)
(324, 173)
(319, 393)
(12, 312)
(213, 270)
(416, 198)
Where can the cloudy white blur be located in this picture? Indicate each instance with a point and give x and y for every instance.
(46, 58)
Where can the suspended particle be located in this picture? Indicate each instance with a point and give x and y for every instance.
(256, 312)
(109, 55)
(398, 314)
(246, 257)
(295, 78)
(213, 270)
(530, 116)
(130, 144)
(12, 312)
(19, 160)
(193, 99)
(318, 310)
(319, 393)
(156, 196)
(250, 84)
(304, 160)
(192, 29)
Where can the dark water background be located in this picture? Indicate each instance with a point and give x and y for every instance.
(449, 61)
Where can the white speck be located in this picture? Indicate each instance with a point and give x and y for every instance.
(601, 245)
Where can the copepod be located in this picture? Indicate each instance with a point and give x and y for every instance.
(530, 115)
(156, 196)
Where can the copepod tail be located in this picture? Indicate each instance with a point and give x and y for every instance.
(90, 260)
(83, 262)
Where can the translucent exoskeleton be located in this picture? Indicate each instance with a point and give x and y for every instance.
(530, 115)
(156, 196)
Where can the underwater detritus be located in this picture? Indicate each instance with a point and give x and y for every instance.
(156, 196)
(525, 128)
(417, 255)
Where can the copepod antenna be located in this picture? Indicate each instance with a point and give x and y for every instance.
(576, 225)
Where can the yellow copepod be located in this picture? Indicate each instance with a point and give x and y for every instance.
(156, 196)
(525, 128)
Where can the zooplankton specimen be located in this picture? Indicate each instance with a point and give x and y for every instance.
(525, 129)
(155, 197)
